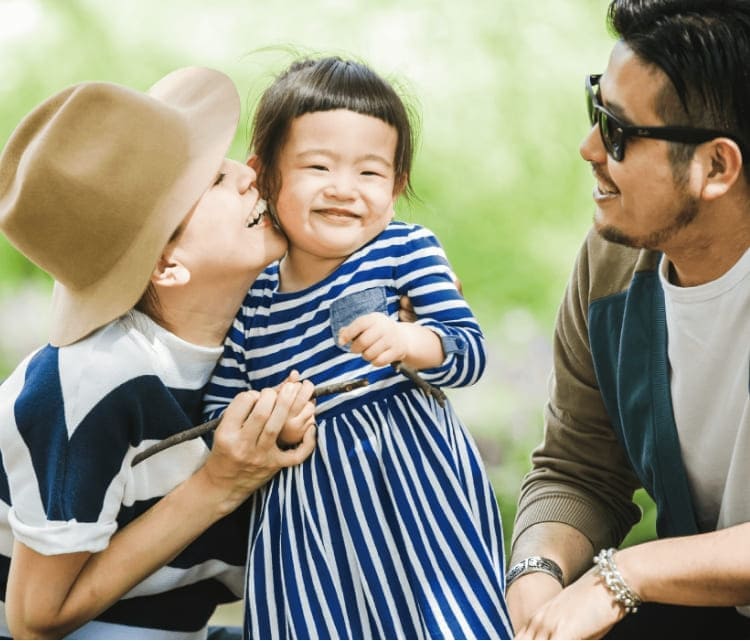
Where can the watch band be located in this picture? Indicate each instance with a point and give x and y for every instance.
(534, 564)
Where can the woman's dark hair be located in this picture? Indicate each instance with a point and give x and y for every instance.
(325, 84)
(703, 47)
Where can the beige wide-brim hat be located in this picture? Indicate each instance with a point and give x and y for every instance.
(95, 180)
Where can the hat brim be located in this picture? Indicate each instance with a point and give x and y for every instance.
(210, 106)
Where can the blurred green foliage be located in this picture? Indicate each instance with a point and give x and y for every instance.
(498, 86)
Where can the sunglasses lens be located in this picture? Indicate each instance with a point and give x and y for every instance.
(611, 136)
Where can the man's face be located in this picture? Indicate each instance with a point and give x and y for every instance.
(640, 201)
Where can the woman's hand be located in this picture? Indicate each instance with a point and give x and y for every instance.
(49, 596)
(246, 452)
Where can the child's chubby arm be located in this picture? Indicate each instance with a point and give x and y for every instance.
(382, 340)
(49, 596)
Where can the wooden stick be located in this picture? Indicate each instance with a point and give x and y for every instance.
(422, 384)
(203, 428)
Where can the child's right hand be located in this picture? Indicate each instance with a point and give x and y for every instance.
(301, 415)
(298, 421)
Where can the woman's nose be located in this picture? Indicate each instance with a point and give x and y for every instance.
(247, 176)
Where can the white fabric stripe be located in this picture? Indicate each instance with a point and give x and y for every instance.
(6, 534)
(161, 473)
(86, 377)
(260, 538)
(168, 578)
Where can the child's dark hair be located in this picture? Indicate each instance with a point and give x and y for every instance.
(325, 84)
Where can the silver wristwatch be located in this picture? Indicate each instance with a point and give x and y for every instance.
(534, 564)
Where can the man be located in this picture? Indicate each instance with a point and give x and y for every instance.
(651, 375)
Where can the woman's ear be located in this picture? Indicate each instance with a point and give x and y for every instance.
(170, 272)
(722, 167)
(253, 162)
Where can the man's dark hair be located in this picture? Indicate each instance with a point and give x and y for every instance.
(325, 84)
(703, 47)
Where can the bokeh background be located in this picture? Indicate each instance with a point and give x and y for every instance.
(498, 85)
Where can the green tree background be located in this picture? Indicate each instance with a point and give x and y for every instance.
(498, 85)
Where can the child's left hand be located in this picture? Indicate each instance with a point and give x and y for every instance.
(377, 338)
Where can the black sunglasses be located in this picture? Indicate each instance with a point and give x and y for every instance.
(615, 133)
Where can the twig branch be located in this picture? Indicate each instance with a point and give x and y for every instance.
(203, 428)
(422, 384)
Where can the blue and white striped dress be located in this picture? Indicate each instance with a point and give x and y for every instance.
(391, 528)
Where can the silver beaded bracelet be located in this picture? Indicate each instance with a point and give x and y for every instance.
(620, 590)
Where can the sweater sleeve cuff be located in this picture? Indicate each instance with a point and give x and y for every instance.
(560, 506)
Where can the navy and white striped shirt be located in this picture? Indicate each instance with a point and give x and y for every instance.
(391, 528)
(71, 420)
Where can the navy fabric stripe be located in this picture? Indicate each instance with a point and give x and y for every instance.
(185, 609)
(226, 539)
(4, 489)
(42, 426)
(4, 571)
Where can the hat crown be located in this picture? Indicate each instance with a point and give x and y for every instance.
(82, 187)
(94, 181)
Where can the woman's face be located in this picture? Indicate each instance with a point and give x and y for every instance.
(227, 233)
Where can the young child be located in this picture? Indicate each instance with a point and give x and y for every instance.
(391, 528)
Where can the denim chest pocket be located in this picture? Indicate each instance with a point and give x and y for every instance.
(350, 306)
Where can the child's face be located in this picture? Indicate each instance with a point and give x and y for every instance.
(337, 182)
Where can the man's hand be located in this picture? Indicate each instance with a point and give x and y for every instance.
(528, 594)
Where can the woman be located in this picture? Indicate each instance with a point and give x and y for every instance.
(153, 238)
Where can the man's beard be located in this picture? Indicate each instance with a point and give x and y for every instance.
(656, 239)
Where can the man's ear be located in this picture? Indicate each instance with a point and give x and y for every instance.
(722, 162)
(170, 272)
